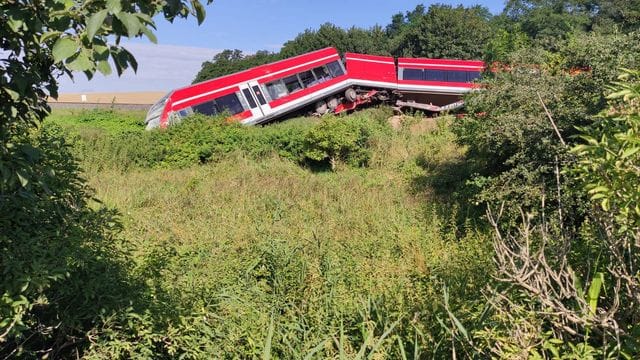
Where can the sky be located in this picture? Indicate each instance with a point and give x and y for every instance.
(248, 25)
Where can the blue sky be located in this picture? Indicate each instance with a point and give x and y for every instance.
(248, 25)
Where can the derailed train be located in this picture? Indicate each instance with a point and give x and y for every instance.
(322, 82)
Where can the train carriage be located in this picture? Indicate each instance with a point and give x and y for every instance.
(259, 94)
(321, 78)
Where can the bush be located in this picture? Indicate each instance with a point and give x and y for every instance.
(201, 139)
(62, 261)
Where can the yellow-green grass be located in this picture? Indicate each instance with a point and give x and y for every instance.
(248, 241)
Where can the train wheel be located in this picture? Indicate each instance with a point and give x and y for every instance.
(351, 95)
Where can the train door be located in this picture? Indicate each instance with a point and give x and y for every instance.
(252, 101)
(256, 89)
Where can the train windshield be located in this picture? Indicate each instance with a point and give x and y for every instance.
(153, 116)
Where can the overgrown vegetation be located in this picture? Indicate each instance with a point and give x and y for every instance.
(330, 237)
(107, 139)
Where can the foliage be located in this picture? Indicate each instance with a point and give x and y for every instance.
(253, 255)
(370, 41)
(231, 61)
(513, 142)
(340, 141)
(99, 120)
(549, 21)
(444, 32)
(61, 263)
(201, 139)
(608, 170)
(52, 241)
(580, 288)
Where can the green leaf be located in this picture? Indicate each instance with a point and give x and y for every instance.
(14, 94)
(149, 34)
(95, 22)
(24, 180)
(100, 52)
(629, 152)
(199, 10)
(594, 291)
(130, 22)
(15, 24)
(104, 67)
(81, 62)
(64, 48)
(114, 6)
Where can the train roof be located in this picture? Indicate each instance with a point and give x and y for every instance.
(258, 71)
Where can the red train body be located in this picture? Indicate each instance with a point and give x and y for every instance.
(268, 92)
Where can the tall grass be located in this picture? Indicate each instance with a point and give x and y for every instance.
(257, 255)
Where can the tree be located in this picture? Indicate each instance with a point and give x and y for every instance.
(444, 32)
(230, 61)
(53, 244)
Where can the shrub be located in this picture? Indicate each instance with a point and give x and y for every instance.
(62, 262)
(340, 140)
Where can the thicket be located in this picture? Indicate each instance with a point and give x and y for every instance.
(310, 142)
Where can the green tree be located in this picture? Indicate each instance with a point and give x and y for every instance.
(50, 238)
(444, 32)
(230, 61)
(310, 40)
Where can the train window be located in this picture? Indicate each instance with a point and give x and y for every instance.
(258, 92)
(250, 99)
(230, 103)
(307, 78)
(276, 89)
(322, 74)
(434, 75)
(457, 76)
(207, 108)
(412, 74)
(335, 69)
(473, 75)
(292, 83)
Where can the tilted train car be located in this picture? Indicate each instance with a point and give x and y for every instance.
(319, 78)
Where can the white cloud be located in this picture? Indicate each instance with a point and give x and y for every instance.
(160, 68)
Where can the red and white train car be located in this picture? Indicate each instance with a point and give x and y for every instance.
(437, 81)
(270, 91)
(259, 94)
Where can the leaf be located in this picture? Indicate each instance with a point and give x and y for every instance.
(629, 152)
(64, 48)
(149, 34)
(95, 22)
(131, 59)
(104, 67)
(24, 180)
(199, 10)
(130, 22)
(100, 52)
(266, 352)
(594, 291)
(114, 6)
(81, 62)
(13, 94)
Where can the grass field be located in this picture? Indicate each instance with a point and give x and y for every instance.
(256, 255)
